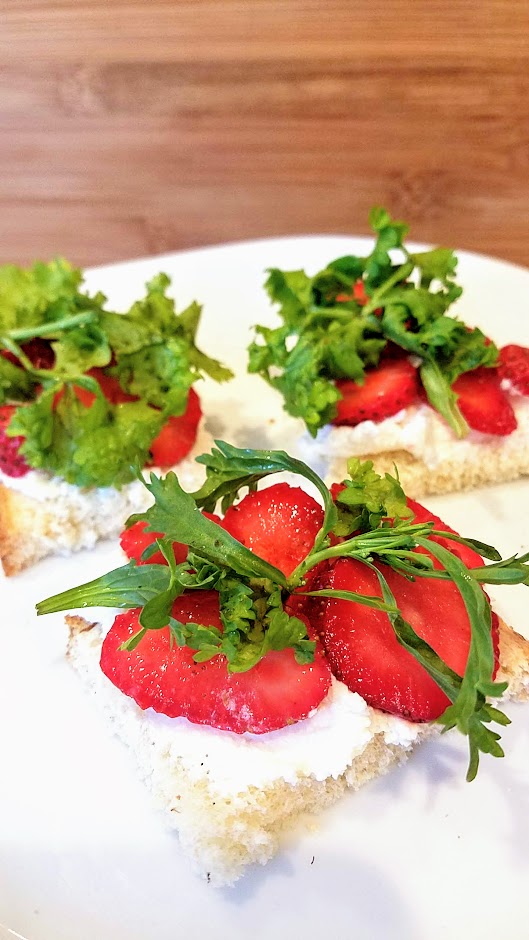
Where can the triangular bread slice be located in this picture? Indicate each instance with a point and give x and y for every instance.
(230, 797)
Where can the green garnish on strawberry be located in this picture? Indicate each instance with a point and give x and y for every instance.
(97, 393)
(338, 323)
(273, 603)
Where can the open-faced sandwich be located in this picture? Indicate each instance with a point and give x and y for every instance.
(88, 397)
(269, 657)
(369, 358)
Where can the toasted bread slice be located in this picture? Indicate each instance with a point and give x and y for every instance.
(227, 799)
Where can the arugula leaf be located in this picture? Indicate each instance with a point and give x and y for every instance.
(176, 514)
(127, 587)
(466, 712)
(229, 469)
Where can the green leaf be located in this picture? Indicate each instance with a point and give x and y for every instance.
(126, 587)
(89, 446)
(151, 350)
(326, 335)
(229, 469)
(367, 499)
(176, 514)
(442, 398)
(15, 384)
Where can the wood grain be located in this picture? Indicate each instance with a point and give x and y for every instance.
(133, 128)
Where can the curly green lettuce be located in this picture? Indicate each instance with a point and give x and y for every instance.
(327, 333)
(150, 350)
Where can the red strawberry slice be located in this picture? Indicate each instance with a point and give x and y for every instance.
(358, 294)
(38, 351)
(391, 386)
(109, 386)
(279, 524)
(11, 462)
(483, 403)
(364, 653)
(177, 436)
(468, 556)
(514, 365)
(163, 676)
(135, 540)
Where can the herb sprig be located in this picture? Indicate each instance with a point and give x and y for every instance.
(368, 521)
(329, 334)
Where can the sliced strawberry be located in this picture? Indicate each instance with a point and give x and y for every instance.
(279, 524)
(364, 653)
(38, 351)
(483, 403)
(468, 556)
(135, 540)
(177, 436)
(358, 293)
(11, 462)
(109, 386)
(391, 386)
(160, 675)
(514, 365)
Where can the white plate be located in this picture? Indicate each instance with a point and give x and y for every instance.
(418, 854)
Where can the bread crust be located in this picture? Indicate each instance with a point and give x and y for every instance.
(223, 833)
(449, 476)
(21, 528)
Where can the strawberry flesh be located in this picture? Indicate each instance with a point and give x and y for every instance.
(393, 385)
(279, 524)
(163, 676)
(514, 366)
(483, 403)
(135, 540)
(11, 462)
(38, 351)
(362, 648)
(177, 436)
(468, 556)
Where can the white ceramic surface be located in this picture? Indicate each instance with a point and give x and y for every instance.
(418, 854)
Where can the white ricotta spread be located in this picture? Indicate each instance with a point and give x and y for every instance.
(322, 745)
(420, 431)
(43, 486)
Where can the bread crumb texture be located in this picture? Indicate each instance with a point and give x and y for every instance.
(223, 832)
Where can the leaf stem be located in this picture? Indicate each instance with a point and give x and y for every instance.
(399, 275)
(48, 329)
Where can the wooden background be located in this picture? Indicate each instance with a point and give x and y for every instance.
(130, 128)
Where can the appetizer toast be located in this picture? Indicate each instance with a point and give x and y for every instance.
(268, 658)
(88, 397)
(369, 358)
